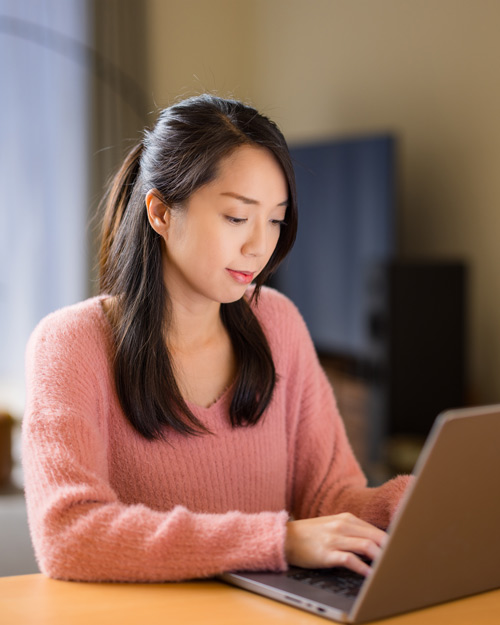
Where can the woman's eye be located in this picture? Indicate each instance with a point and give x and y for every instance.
(235, 220)
(278, 222)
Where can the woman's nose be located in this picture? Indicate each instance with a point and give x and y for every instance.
(256, 242)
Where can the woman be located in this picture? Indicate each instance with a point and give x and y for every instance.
(179, 424)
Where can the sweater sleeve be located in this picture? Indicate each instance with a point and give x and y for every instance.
(79, 527)
(325, 476)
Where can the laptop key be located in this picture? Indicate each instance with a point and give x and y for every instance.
(337, 580)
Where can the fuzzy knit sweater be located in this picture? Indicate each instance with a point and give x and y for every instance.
(106, 504)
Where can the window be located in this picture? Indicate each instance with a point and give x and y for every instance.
(44, 125)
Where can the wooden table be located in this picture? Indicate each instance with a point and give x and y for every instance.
(36, 600)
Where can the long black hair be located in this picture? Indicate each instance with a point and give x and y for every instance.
(178, 156)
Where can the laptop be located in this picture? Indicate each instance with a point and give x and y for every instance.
(443, 542)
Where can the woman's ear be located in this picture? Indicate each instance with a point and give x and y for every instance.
(158, 213)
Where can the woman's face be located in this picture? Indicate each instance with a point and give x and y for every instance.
(226, 232)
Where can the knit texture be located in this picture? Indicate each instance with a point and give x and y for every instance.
(105, 504)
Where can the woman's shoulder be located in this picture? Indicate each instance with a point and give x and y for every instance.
(271, 302)
(81, 322)
(278, 314)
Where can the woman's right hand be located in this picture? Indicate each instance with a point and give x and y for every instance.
(330, 541)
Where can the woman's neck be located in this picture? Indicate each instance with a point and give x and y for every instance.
(202, 354)
(191, 328)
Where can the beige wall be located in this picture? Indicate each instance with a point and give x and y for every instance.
(425, 69)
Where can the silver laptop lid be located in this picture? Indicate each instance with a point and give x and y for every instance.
(444, 541)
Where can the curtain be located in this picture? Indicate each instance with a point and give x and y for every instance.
(44, 124)
(72, 78)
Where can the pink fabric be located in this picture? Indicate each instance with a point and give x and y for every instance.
(106, 504)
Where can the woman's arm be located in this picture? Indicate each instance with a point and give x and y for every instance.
(82, 532)
(335, 513)
(80, 529)
(326, 477)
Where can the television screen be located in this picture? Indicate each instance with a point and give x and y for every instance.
(346, 195)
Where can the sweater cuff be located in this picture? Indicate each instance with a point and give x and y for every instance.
(269, 553)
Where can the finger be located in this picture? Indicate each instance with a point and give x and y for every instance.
(349, 561)
(355, 521)
(369, 533)
(361, 546)
(349, 525)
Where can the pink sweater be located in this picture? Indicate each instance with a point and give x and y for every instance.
(106, 504)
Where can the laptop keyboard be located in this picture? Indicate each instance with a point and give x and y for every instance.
(338, 580)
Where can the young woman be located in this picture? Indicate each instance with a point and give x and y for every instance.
(179, 424)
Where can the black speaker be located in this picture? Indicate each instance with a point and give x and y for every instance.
(417, 336)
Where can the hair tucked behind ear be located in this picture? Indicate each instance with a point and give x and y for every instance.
(181, 154)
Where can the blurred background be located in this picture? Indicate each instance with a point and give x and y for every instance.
(417, 220)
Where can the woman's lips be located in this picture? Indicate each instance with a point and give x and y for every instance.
(242, 277)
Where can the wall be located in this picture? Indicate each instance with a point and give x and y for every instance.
(197, 46)
(425, 70)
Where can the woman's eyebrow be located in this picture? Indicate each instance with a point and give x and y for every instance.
(248, 200)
